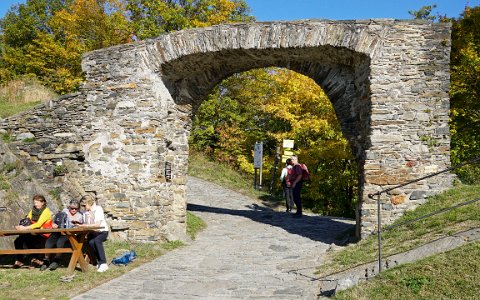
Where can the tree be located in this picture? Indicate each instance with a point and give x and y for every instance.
(270, 105)
(153, 18)
(21, 25)
(465, 93)
(46, 38)
(424, 13)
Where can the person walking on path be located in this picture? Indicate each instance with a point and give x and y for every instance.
(296, 179)
(287, 184)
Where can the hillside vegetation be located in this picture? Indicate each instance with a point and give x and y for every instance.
(451, 275)
(406, 237)
(20, 95)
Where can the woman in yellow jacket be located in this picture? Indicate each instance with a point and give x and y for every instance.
(40, 217)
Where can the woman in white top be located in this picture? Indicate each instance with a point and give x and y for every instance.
(94, 216)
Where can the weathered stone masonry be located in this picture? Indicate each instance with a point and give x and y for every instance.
(388, 81)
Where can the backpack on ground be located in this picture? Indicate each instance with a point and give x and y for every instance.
(125, 258)
(305, 173)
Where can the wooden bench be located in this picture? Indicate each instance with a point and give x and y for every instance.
(76, 237)
(36, 251)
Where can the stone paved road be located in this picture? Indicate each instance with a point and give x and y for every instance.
(247, 252)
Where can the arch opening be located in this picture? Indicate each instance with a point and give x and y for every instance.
(341, 73)
(269, 105)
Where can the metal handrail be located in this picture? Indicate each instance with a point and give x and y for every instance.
(424, 177)
(379, 193)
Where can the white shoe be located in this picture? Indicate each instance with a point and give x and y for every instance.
(102, 268)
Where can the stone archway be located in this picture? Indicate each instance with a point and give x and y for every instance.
(388, 82)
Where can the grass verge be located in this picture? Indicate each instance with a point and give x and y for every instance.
(407, 237)
(194, 225)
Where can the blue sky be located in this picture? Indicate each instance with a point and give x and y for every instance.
(275, 10)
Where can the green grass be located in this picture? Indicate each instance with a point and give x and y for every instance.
(194, 225)
(451, 275)
(202, 167)
(407, 237)
(22, 94)
(9, 109)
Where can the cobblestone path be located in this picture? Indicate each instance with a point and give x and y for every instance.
(248, 251)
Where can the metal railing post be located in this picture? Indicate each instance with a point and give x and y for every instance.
(379, 232)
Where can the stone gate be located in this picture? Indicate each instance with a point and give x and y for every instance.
(124, 136)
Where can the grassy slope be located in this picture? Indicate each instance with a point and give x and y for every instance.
(20, 95)
(453, 275)
(407, 237)
(9, 109)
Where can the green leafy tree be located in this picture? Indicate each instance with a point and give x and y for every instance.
(46, 38)
(424, 13)
(21, 25)
(152, 18)
(270, 105)
(465, 93)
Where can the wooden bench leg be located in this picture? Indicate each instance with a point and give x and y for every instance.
(76, 243)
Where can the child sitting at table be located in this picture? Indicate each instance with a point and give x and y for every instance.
(72, 218)
(41, 217)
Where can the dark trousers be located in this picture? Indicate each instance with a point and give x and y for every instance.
(56, 240)
(95, 241)
(287, 194)
(296, 197)
(28, 241)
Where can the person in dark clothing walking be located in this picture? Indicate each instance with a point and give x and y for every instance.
(296, 179)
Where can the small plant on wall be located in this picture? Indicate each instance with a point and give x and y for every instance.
(59, 170)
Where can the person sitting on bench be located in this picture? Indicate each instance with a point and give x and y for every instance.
(67, 218)
(94, 215)
(40, 217)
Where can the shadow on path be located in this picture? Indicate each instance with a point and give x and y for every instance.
(316, 228)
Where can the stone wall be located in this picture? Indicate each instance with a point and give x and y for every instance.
(129, 125)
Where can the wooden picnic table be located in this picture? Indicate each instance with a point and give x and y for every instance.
(76, 236)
